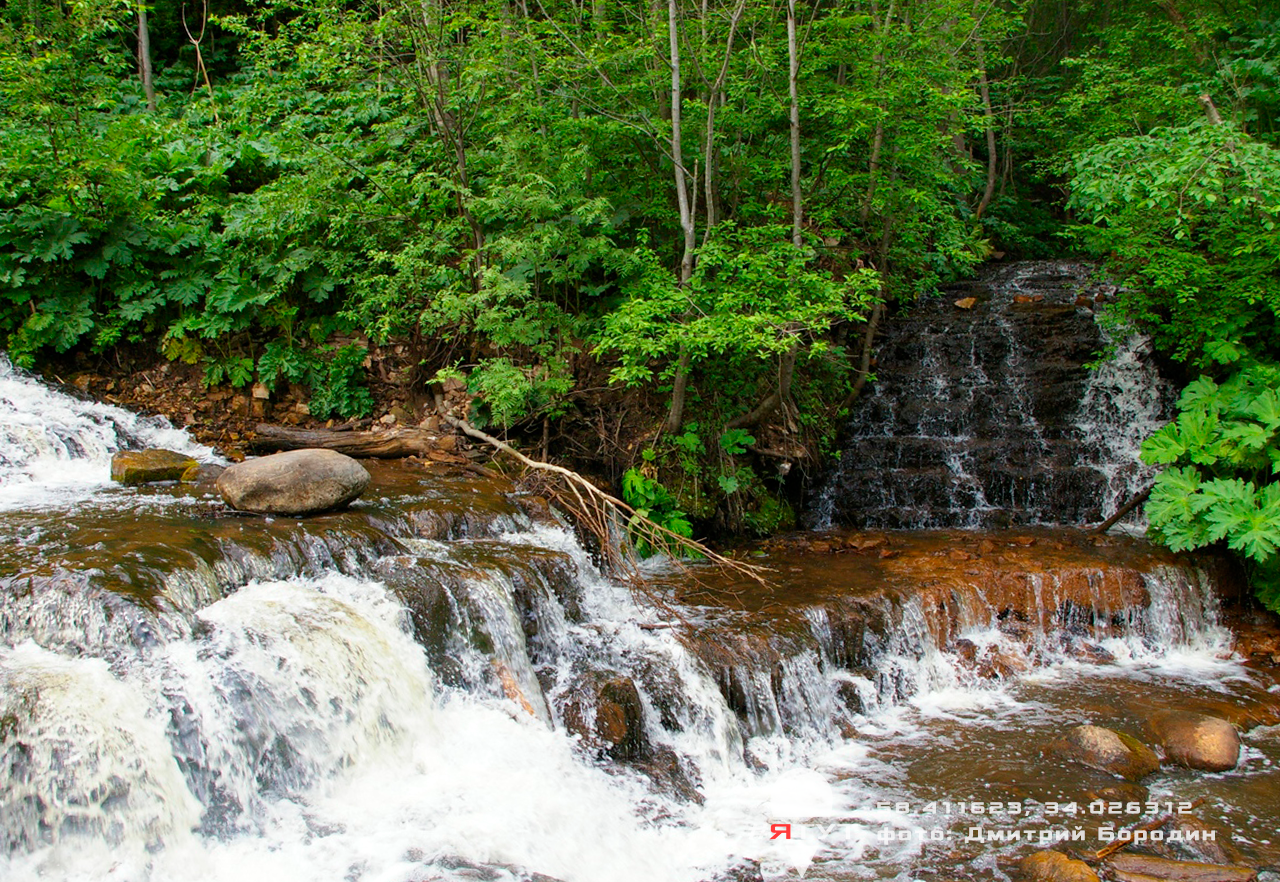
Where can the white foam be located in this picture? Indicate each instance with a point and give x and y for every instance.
(56, 449)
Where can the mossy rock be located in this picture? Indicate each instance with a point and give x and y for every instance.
(132, 467)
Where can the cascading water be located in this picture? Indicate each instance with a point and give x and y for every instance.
(439, 684)
(990, 416)
(53, 445)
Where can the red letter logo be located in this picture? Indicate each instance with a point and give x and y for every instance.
(783, 830)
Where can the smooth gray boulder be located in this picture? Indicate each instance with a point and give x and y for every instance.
(297, 482)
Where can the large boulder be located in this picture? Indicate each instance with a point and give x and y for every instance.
(149, 466)
(1197, 741)
(297, 482)
(1108, 751)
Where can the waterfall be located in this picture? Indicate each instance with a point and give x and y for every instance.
(445, 686)
(54, 446)
(991, 416)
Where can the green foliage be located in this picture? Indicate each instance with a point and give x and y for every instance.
(506, 394)
(1222, 483)
(337, 387)
(753, 295)
(736, 441)
(653, 501)
(1189, 218)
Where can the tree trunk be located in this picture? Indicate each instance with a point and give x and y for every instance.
(877, 140)
(144, 56)
(675, 416)
(793, 87)
(984, 90)
(711, 196)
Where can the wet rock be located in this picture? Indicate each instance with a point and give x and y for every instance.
(1054, 866)
(1197, 741)
(297, 482)
(1202, 841)
(452, 868)
(605, 709)
(745, 870)
(1140, 868)
(511, 686)
(966, 302)
(666, 772)
(991, 662)
(202, 473)
(132, 467)
(1107, 751)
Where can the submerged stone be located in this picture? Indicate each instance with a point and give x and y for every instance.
(605, 709)
(132, 467)
(1107, 751)
(1197, 741)
(1054, 866)
(1139, 867)
(297, 482)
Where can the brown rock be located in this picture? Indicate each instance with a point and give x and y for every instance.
(1204, 841)
(1054, 866)
(147, 466)
(966, 302)
(866, 543)
(296, 482)
(1197, 741)
(605, 709)
(202, 473)
(1107, 751)
(511, 686)
(1131, 866)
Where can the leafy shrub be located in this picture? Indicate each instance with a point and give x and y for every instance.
(651, 500)
(1223, 483)
(338, 388)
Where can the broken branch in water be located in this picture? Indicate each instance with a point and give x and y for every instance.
(598, 511)
(1134, 501)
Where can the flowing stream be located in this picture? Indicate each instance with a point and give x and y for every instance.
(440, 684)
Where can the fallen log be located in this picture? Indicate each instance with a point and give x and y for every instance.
(391, 444)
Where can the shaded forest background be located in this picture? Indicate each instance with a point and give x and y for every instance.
(652, 238)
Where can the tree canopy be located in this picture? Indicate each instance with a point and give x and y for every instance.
(707, 201)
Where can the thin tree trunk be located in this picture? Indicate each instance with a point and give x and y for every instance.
(144, 56)
(786, 371)
(984, 90)
(793, 86)
(864, 359)
(712, 167)
(683, 200)
(877, 140)
(675, 416)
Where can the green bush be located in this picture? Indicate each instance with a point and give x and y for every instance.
(1223, 480)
